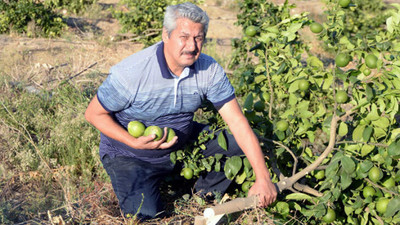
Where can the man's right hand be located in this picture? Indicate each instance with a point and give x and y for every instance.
(148, 142)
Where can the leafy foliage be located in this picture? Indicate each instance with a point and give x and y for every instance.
(75, 6)
(271, 64)
(29, 17)
(143, 19)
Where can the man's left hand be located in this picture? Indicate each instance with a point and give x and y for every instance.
(265, 190)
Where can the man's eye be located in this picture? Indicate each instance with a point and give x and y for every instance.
(184, 37)
(199, 38)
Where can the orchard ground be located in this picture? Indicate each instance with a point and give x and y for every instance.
(83, 55)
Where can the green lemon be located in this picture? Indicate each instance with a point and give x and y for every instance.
(246, 186)
(251, 31)
(368, 191)
(342, 60)
(316, 27)
(381, 205)
(170, 135)
(187, 173)
(154, 130)
(136, 128)
(344, 3)
(330, 216)
(282, 125)
(341, 97)
(367, 72)
(375, 174)
(371, 61)
(304, 85)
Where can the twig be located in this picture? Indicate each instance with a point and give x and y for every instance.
(72, 77)
(380, 187)
(307, 189)
(291, 153)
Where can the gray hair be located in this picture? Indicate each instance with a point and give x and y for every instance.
(185, 10)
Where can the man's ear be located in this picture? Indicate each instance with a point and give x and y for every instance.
(165, 35)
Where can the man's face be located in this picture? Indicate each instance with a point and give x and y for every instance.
(182, 48)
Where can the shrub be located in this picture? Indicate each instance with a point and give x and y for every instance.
(143, 18)
(30, 18)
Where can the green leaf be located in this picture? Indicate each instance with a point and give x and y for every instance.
(315, 62)
(282, 208)
(345, 180)
(392, 207)
(366, 149)
(365, 166)
(394, 148)
(367, 133)
(358, 132)
(343, 129)
(348, 164)
(172, 157)
(240, 178)
(248, 103)
(232, 167)
(298, 196)
(222, 141)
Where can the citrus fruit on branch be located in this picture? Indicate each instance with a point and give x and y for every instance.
(341, 97)
(371, 61)
(316, 28)
(251, 31)
(342, 60)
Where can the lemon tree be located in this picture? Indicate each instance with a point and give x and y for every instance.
(343, 119)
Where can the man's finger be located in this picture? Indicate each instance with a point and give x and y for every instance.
(170, 143)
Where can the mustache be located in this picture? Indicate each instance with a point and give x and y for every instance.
(190, 52)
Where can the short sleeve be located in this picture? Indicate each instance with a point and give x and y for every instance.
(220, 90)
(113, 93)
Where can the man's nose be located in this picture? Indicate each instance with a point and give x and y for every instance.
(191, 44)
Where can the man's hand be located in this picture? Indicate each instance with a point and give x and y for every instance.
(265, 190)
(148, 142)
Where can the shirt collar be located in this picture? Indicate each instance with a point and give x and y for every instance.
(163, 63)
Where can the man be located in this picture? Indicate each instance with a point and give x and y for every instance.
(164, 85)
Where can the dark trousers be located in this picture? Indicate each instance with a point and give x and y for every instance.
(136, 182)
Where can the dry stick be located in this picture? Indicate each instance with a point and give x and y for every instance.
(297, 187)
(26, 134)
(73, 76)
(287, 182)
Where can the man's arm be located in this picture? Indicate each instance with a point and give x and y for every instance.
(102, 120)
(248, 142)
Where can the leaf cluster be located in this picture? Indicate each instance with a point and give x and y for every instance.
(31, 18)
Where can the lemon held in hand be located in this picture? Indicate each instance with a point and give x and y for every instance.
(136, 128)
(154, 130)
(170, 135)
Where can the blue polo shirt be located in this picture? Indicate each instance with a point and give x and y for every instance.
(141, 87)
